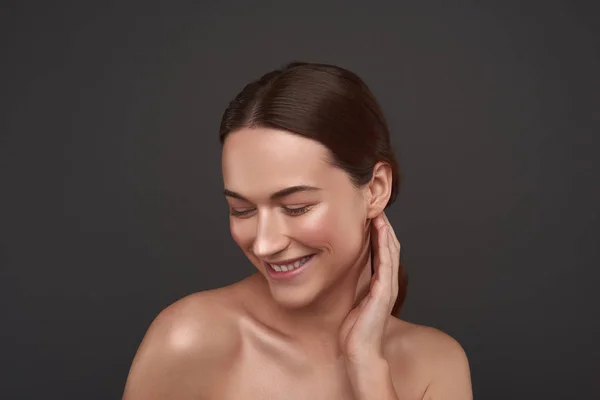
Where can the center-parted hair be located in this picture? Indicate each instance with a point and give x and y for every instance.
(330, 105)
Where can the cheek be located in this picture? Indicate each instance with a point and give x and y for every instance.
(241, 231)
(316, 227)
(332, 228)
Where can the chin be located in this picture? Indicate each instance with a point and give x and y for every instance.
(293, 298)
(298, 293)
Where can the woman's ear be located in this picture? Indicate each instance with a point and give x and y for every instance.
(379, 189)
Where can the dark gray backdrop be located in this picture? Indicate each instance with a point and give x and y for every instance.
(111, 204)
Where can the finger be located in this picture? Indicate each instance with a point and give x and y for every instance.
(395, 238)
(377, 224)
(395, 255)
(385, 265)
(375, 239)
(395, 271)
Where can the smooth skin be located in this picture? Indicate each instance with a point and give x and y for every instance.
(326, 334)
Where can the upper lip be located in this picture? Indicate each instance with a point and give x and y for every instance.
(288, 261)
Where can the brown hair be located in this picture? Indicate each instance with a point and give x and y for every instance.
(330, 105)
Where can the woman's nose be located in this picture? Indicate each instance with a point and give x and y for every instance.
(270, 237)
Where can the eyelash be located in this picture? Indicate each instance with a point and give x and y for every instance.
(294, 212)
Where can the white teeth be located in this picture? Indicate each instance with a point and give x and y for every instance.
(289, 267)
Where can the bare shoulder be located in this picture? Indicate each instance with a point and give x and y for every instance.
(188, 345)
(430, 357)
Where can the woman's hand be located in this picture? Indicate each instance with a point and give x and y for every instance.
(362, 331)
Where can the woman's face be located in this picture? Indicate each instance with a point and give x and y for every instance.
(323, 217)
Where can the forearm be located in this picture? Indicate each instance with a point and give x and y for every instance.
(373, 381)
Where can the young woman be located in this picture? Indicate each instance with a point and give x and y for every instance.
(308, 170)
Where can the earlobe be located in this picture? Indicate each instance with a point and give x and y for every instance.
(375, 211)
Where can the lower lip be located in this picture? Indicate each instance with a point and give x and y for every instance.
(288, 274)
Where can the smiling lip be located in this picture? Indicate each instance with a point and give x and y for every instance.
(277, 275)
(288, 261)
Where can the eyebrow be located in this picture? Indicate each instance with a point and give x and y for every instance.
(277, 195)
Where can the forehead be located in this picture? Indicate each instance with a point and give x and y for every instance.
(260, 161)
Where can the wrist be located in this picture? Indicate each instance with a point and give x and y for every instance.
(371, 379)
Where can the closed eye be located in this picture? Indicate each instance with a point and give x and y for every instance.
(292, 211)
(241, 213)
(296, 211)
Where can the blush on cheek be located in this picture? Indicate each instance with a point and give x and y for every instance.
(340, 229)
(318, 225)
(329, 227)
(238, 233)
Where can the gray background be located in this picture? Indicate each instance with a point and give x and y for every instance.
(111, 204)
